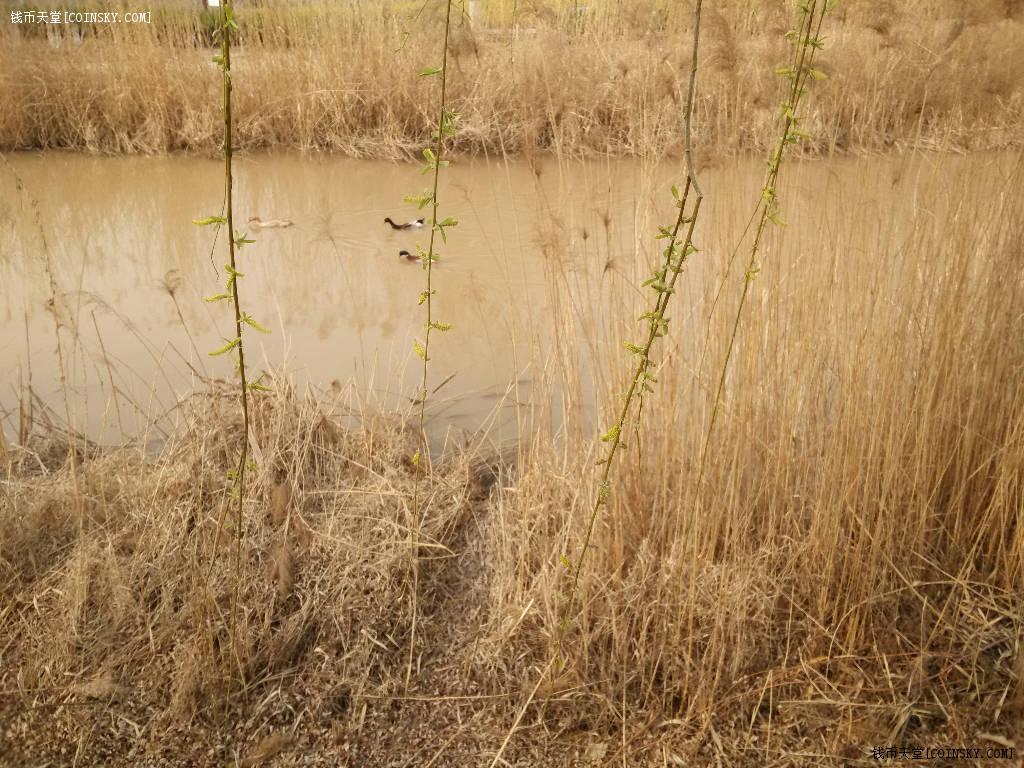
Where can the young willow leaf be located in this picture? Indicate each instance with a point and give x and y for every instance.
(253, 324)
(611, 434)
(420, 201)
(226, 348)
(209, 220)
(634, 349)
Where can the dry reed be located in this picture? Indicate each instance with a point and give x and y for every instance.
(923, 74)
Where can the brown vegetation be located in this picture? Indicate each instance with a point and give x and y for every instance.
(849, 575)
(344, 78)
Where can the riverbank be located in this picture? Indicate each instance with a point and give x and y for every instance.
(602, 82)
(838, 621)
(845, 574)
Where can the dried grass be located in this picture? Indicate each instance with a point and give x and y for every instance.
(921, 74)
(126, 607)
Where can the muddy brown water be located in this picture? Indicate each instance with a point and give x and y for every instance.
(538, 245)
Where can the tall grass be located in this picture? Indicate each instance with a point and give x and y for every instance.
(31, 206)
(662, 282)
(838, 528)
(807, 41)
(919, 74)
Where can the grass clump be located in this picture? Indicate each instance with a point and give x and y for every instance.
(122, 617)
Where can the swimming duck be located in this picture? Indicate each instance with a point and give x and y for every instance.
(415, 224)
(258, 223)
(410, 257)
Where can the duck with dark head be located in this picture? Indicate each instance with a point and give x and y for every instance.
(415, 224)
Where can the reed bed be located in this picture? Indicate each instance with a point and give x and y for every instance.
(529, 76)
(863, 498)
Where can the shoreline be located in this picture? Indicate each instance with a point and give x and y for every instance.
(929, 79)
